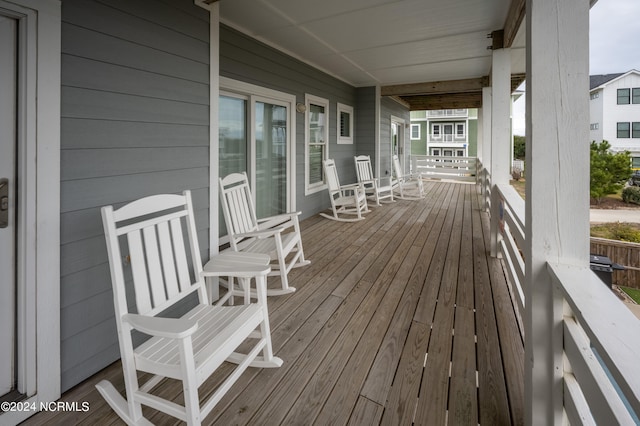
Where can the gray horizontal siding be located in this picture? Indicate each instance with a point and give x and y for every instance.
(245, 59)
(135, 117)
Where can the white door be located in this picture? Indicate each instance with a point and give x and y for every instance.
(8, 69)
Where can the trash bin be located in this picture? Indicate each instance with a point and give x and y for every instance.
(603, 268)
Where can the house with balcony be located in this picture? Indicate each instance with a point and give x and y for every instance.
(448, 133)
(468, 305)
(615, 112)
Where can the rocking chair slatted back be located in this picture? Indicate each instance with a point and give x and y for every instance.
(238, 208)
(363, 168)
(157, 256)
(331, 175)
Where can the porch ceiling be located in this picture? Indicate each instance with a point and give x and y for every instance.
(388, 42)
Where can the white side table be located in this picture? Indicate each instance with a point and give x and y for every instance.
(241, 265)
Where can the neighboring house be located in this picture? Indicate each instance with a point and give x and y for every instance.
(445, 132)
(615, 112)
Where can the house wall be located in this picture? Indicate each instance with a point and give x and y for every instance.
(134, 122)
(596, 116)
(614, 113)
(246, 59)
(365, 117)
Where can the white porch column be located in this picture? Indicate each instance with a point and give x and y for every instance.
(500, 134)
(479, 151)
(214, 143)
(557, 173)
(501, 115)
(486, 137)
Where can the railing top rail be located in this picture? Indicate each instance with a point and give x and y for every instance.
(613, 331)
(514, 201)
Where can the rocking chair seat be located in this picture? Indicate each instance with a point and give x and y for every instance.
(161, 354)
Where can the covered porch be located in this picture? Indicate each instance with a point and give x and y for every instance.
(402, 317)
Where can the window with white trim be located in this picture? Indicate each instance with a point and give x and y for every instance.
(316, 142)
(345, 124)
(436, 131)
(460, 131)
(415, 132)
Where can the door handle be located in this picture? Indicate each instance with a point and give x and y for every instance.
(4, 202)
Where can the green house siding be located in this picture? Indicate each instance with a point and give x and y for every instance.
(473, 137)
(419, 146)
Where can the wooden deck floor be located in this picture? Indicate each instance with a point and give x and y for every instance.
(401, 318)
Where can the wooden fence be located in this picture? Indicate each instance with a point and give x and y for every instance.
(625, 254)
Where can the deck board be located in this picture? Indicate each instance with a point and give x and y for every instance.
(413, 278)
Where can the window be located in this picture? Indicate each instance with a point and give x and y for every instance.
(435, 131)
(635, 162)
(623, 96)
(317, 142)
(460, 130)
(594, 95)
(635, 130)
(345, 124)
(594, 126)
(415, 131)
(636, 95)
(623, 130)
(435, 152)
(460, 153)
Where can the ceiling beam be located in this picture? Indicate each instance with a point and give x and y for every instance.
(513, 22)
(435, 87)
(445, 101)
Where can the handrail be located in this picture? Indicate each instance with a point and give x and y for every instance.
(512, 242)
(601, 348)
(444, 167)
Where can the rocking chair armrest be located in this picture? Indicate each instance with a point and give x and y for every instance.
(261, 234)
(282, 216)
(350, 186)
(283, 219)
(173, 328)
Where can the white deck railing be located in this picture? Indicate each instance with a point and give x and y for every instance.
(509, 206)
(441, 167)
(601, 337)
(601, 351)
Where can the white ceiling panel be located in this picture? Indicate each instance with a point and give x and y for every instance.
(452, 70)
(369, 42)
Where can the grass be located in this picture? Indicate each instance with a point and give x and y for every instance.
(633, 293)
(629, 232)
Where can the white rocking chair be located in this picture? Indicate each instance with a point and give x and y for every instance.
(371, 185)
(166, 269)
(265, 235)
(345, 199)
(409, 187)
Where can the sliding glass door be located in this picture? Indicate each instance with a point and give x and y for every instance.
(271, 158)
(255, 137)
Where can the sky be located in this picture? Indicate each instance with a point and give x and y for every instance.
(614, 44)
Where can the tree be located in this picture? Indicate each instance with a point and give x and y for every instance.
(519, 149)
(609, 171)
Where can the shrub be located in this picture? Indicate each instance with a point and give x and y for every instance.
(631, 194)
(609, 171)
(617, 231)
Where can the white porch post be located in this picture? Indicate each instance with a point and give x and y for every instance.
(479, 142)
(557, 175)
(500, 133)
(486, 137)
(214, 100)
